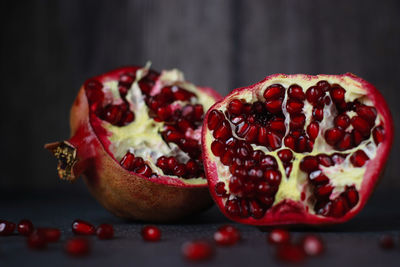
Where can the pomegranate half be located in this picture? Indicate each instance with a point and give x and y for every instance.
(136, 139)
(296, 149)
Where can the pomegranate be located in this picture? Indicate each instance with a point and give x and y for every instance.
(296, 149)
(136, 139)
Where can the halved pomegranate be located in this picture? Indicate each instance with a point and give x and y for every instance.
(296, 149)
(136, 138)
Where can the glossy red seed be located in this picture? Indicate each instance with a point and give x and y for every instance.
(236, 185)
(274, 141)
(232, 207)
(227, 235)
(361, 125)
(386, 242)
(333, 135)
(313, 94)
(36, 241)
(252, 133)
(223, 132)
(77, 247)
(345, 143)
(80, 227)
(290, 142)
(337, 94)
(172, 162)
(313, 130)
(235, 107)
(323, 85)
(180, 170)
(151, 233)
(285, 155)
(367, 113)
(217, 148)
(296, 92)
(318, 178)
(144, 170)
(220, 189)
(105, 231)
(244, 208)
(323, 192)
(357, 137)
(197, 250)
(50, 234)
(6, 227)
(297, 121)
(359, 158)
(352, 197)
(339, 207)
(342, 121)
(227, 157)
(268, 162)
(277, 125)
(312, 245)
(214, 119)
(294, 106)
(273, 92)
(291, 253)
(25, 227)
(162, 163)
(325, 160)
(378, 134)
(273, 177)
(127, 161)
(318, 114)
(256, 210)
(274, 106)
(264, 188)
(309, 164)
(279, 237)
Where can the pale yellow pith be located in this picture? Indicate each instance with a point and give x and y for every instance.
(142, 136)
(340, 175)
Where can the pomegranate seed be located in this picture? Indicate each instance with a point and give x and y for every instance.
(367, 113)
(172, 162)
(127, 118)
(191, 167)
(268, 162)
(232, 207)
(359, 158)
(105, 231)
(290, 142)
(252, 133)
(278, 237)
(323, 192)
(80, 227)
(214, 119)
(127, 161)
(266, 201)
(298, 121)
(262, 136)
(313, 129)
(50, 234)
(242, 129)
(345, 143)
(296, 92)
(223, 132)
(36, 241)
(338, 158)
(6, 228)
(309, 164)
(126, 79)
(235, 185)
(323, 85)
(290, 253)
(237, 120)
(112, 114)
(339, 207)
(25, 227)
(294, 106)
(333, 135)
(220, 189)
(184, 124)
(93, 84)
(318, 113)
(227, 157)
(274, 106)
(257, 211)
(337, 94)
(235, 107)
(77, 247)
(151, 233)
(227, 235)
(257, 155)
(274, 141)
(352, 196)
(325, 160)
(273, 177)
(217, 147)
(357, 137)
(197, 250)
(285, 155)
(313, 94)
(162, 163)
(318, 178)
(265, 188)
(273, 92)
(378, 134)
(312, 245)
(386, 242)
(277, 125)
(180, 170)
(342, 121)
(144, 170)
(137, 163)
(361, 125)
(244, 208)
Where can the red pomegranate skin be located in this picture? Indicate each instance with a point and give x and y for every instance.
(289, 212)
(126, 194)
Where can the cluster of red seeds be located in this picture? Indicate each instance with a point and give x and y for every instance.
(137, 165)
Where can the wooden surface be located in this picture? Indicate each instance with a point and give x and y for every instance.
(49, 48)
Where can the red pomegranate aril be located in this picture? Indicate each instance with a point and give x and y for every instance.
(274, 141)
(257, 211)
(361, 125)
(318, 114)
(232, 207)
(313, 130)
(274, 106)
(278, 237)
(105, 231)
(223, 132)
(273, 92)
(309, 164)
(323, 85)
(172, 162)
(337, 94)
(252, 133)
(285, 155)
(198, 112)
(313, 94)
(325, 160)
(312, 245)
(342, 121)
(296, 92)
(180, 170)
(386, 242)
(268, 162)
(318, 178)
(273, 177)
(236, 185)
(237, 120)
(126, 79)
(266, 202)
(36, 241)
(378, 133)
(50, 234)
(227, 157)
(214, 119)
(323, 192)
(218, 148)
(197, 250)
(25, 227)
(294, 106)
(227, 235)
(333, 135)
(235, 107)
(357, 137)
(162, 163)
(6, 227)
(359, 158)
(298, 121)
(151, 233)
(352, 197)
(264, 188)
(338, 158)
(277, 125)
(144, 170)
(367, 113)
(112, 114)
(345, 143)
(290, 142)
(220, 189)
(244, 208)
(83, 228)
(77, 247)
(339, 207)
(127, 161)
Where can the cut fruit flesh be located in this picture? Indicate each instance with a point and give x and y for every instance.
(338, 129)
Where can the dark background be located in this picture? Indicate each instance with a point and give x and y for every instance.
(48, 48)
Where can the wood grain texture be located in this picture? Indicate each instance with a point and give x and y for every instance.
(48, 48)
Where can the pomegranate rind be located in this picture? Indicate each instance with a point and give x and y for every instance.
(124, 193)
(289, 212)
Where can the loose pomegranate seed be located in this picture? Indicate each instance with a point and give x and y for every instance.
(151, 233)
(6, 228)
(227, 235)
(278, 237)
(312, 245)
(197, 250)
(105, 231)
(25, 227)
(36, 241)
(83, 228)
(50, 234)
(290, 253)
(386, 242)
(77, 247)
(359, 158)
